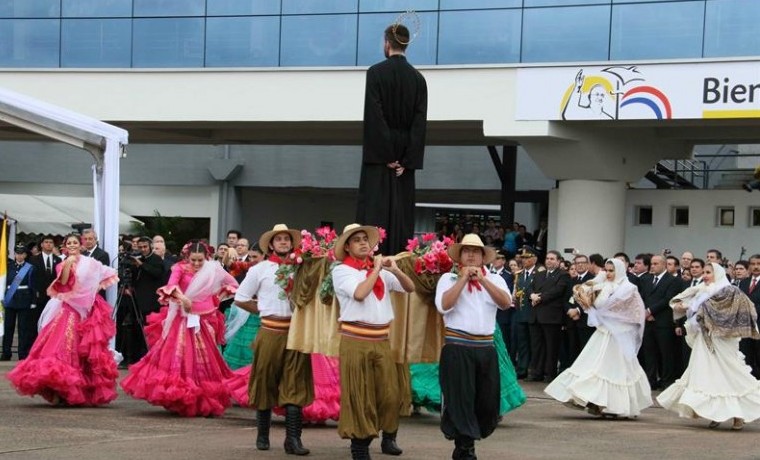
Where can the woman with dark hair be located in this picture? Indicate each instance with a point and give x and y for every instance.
(184, 371)
(70, 362)
(717, 385)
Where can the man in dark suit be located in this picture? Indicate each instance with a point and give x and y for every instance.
(44, 269)
(547, 316)
(577, 329)
(147, 277)
(395, 121)
(18, 300)
(751, 286)
(521, 321)
(657, 288)
(91, 249)
(505, 318)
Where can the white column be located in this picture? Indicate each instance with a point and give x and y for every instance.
(590, 216)
(110, 207)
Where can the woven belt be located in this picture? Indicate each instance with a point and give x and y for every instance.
(459, 337)
(279, 324)
(365, 331)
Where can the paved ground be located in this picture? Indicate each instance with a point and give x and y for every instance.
(541, 429)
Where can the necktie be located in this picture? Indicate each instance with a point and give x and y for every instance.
(48, 266)
(656, 279)
(753, 285)
(694, 283)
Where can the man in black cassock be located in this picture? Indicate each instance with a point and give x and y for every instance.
(395, 117)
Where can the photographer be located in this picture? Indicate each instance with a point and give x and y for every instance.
(147, 270)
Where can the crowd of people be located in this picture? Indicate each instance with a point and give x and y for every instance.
(602, 332)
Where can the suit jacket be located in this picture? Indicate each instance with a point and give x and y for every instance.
(552, 287)
(744, 286)
(657, 298)
(523, 284)
(146, 279)
(504, 316)
(43, 279)
(25, 295)
(574, 282)
(100, 255)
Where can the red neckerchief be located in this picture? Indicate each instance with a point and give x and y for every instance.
(276, 259)
(474, 283)
(379, 287)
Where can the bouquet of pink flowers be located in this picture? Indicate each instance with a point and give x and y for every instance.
(321, 245)
(432, 257)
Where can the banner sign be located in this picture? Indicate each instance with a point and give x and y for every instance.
(640, 92)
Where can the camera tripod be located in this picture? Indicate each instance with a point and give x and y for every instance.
(128, 317)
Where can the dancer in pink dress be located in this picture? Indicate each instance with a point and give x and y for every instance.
(184, 371)
(70, 362)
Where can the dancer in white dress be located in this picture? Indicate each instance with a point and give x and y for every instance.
(717, 384)
(606, 378)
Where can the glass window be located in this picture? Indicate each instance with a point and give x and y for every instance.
(96, 8)
(726, 216)
(478, 4)
(323, 40)
(530, 3)
(421, 51)
(398, 6)
(579, 33)
(319, 6)
(170, 7)
(474, 37)
(30, 8)
(680, 216)
(96, 43)
(730, 28)
(643, 215)
(170, 42)
(243, 42)
(754, 217)
(242, 7)
(29, 42)
(657, 30)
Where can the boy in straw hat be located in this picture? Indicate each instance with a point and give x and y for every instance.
(469, 366)
(280, 377)
(369, 400)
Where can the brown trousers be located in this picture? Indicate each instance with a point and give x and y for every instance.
(279, 376)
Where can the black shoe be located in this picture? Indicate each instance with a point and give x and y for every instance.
(464, 450)
(389, 446)
(360, 449)
(293, 424)
(263, 422)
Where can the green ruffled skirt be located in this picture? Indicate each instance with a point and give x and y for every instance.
(426, 390)
(238, 352)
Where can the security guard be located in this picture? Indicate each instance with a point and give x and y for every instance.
(19, 302)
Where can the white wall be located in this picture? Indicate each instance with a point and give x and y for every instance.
(703, 233)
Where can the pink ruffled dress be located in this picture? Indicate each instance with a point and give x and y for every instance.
(183, 370)
(70, 361)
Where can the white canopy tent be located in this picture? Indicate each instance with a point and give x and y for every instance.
(105, 142)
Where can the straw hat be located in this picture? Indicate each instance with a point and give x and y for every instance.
(471, 239)
(266, 238)
(372, 233)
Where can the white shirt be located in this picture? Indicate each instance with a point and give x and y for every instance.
(473, 312)
(370, 310)
(259, 282)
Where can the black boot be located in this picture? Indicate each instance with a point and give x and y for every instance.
(389, 446)
(263, 420)
(465, 449)
(360, 449)
(293, 422)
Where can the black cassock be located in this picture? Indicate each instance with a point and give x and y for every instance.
(395, 117)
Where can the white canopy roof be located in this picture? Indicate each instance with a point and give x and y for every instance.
(105, 142)
(54, 214)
